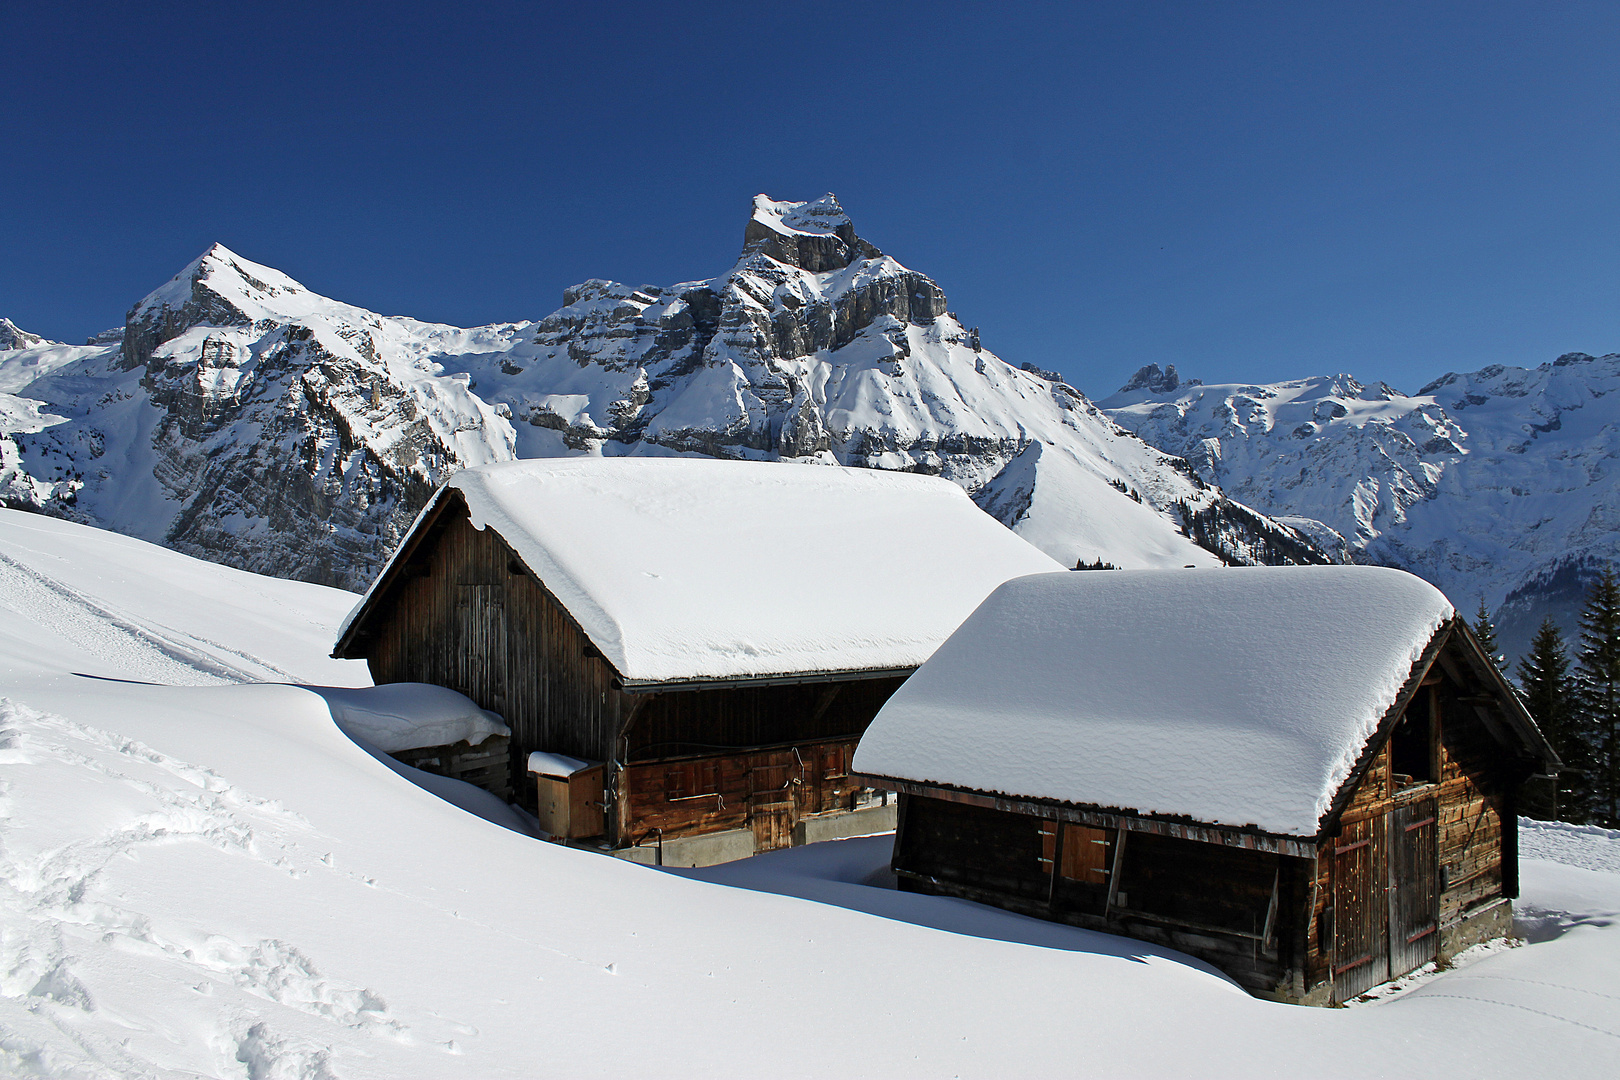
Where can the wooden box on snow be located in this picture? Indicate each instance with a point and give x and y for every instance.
(569, 795)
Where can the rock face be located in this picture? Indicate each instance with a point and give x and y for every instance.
(242, 418)
(13, 337)
(1496, 484)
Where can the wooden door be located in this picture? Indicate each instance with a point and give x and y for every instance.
(1414, 887)
(1360, 912)
(770, 805)
(479, 642)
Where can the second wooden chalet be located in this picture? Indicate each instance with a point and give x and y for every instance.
(686, 650)
(1304, 775)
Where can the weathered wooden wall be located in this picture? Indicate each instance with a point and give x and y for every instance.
(689, 722)
(1471, 789)
(767, 790)
(464, 614)
(1209, 900)
(486, 765)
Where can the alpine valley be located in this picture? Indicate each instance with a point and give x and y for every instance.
(1498, 485)
(239, 417)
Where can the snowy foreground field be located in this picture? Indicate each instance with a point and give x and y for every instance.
(209, 878)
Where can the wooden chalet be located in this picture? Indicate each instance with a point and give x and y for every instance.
(1303, 775)
(686, 650)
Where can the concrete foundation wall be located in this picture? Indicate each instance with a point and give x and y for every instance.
(1493, 921)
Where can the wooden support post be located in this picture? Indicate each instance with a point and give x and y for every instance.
(1057, 861)
(1113, 874)
(1271, 910)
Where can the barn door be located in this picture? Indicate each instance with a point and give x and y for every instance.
(479, 641)
(1360, 916)
(770, 805)
(1414, 892)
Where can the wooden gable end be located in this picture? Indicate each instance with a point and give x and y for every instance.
(458, 609)
(1423, 838)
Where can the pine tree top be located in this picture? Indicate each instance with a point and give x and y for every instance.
(1485, 631)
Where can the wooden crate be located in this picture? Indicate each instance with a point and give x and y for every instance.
(570, 806)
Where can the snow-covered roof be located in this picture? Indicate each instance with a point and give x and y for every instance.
(680, 569)
(1237, 696)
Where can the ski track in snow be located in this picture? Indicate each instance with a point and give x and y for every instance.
(138, 650)
(51, 908)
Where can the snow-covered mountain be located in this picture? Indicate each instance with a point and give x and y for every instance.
(243, 418)
(1500, 483)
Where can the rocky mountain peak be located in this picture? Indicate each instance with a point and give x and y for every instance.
(14, 337)
(217, 288)
(1155, 380)
(816, 235)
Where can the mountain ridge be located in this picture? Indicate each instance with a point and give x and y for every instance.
(242, 417)
(1497, 484)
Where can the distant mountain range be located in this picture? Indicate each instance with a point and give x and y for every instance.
(1499, 484)
(240, 417)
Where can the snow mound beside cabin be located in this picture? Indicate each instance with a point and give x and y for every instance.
(409, 715)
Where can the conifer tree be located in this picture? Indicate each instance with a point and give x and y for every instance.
(1597, 713)
(1545, 685)
(1485, 631)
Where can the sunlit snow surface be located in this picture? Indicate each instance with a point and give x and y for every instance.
(214, 881)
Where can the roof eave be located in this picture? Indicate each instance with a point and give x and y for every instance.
(730, 682)
(1251, 837)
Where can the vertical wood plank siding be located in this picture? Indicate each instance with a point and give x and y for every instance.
(463, 615)
(1459, 856)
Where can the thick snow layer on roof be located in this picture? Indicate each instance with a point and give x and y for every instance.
(695, 568)
(407, 716)
(1238, 696)
(560, 766)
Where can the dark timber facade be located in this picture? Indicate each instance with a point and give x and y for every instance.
(1416, 860)
(458, 608)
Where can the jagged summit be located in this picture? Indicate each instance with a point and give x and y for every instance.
(217, 288)
(818, 217)
(13, 336)
(224, 272)
(816, 236)
(1151, 378)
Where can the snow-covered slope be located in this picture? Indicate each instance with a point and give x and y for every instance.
(1498, 484)
(214, 881)
(109, 606)
(246, 419)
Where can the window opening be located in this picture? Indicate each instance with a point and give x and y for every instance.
(1411, 746)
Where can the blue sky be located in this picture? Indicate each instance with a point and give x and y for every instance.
(1248, 191)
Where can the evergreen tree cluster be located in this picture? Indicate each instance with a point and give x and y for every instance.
(1577, 707)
